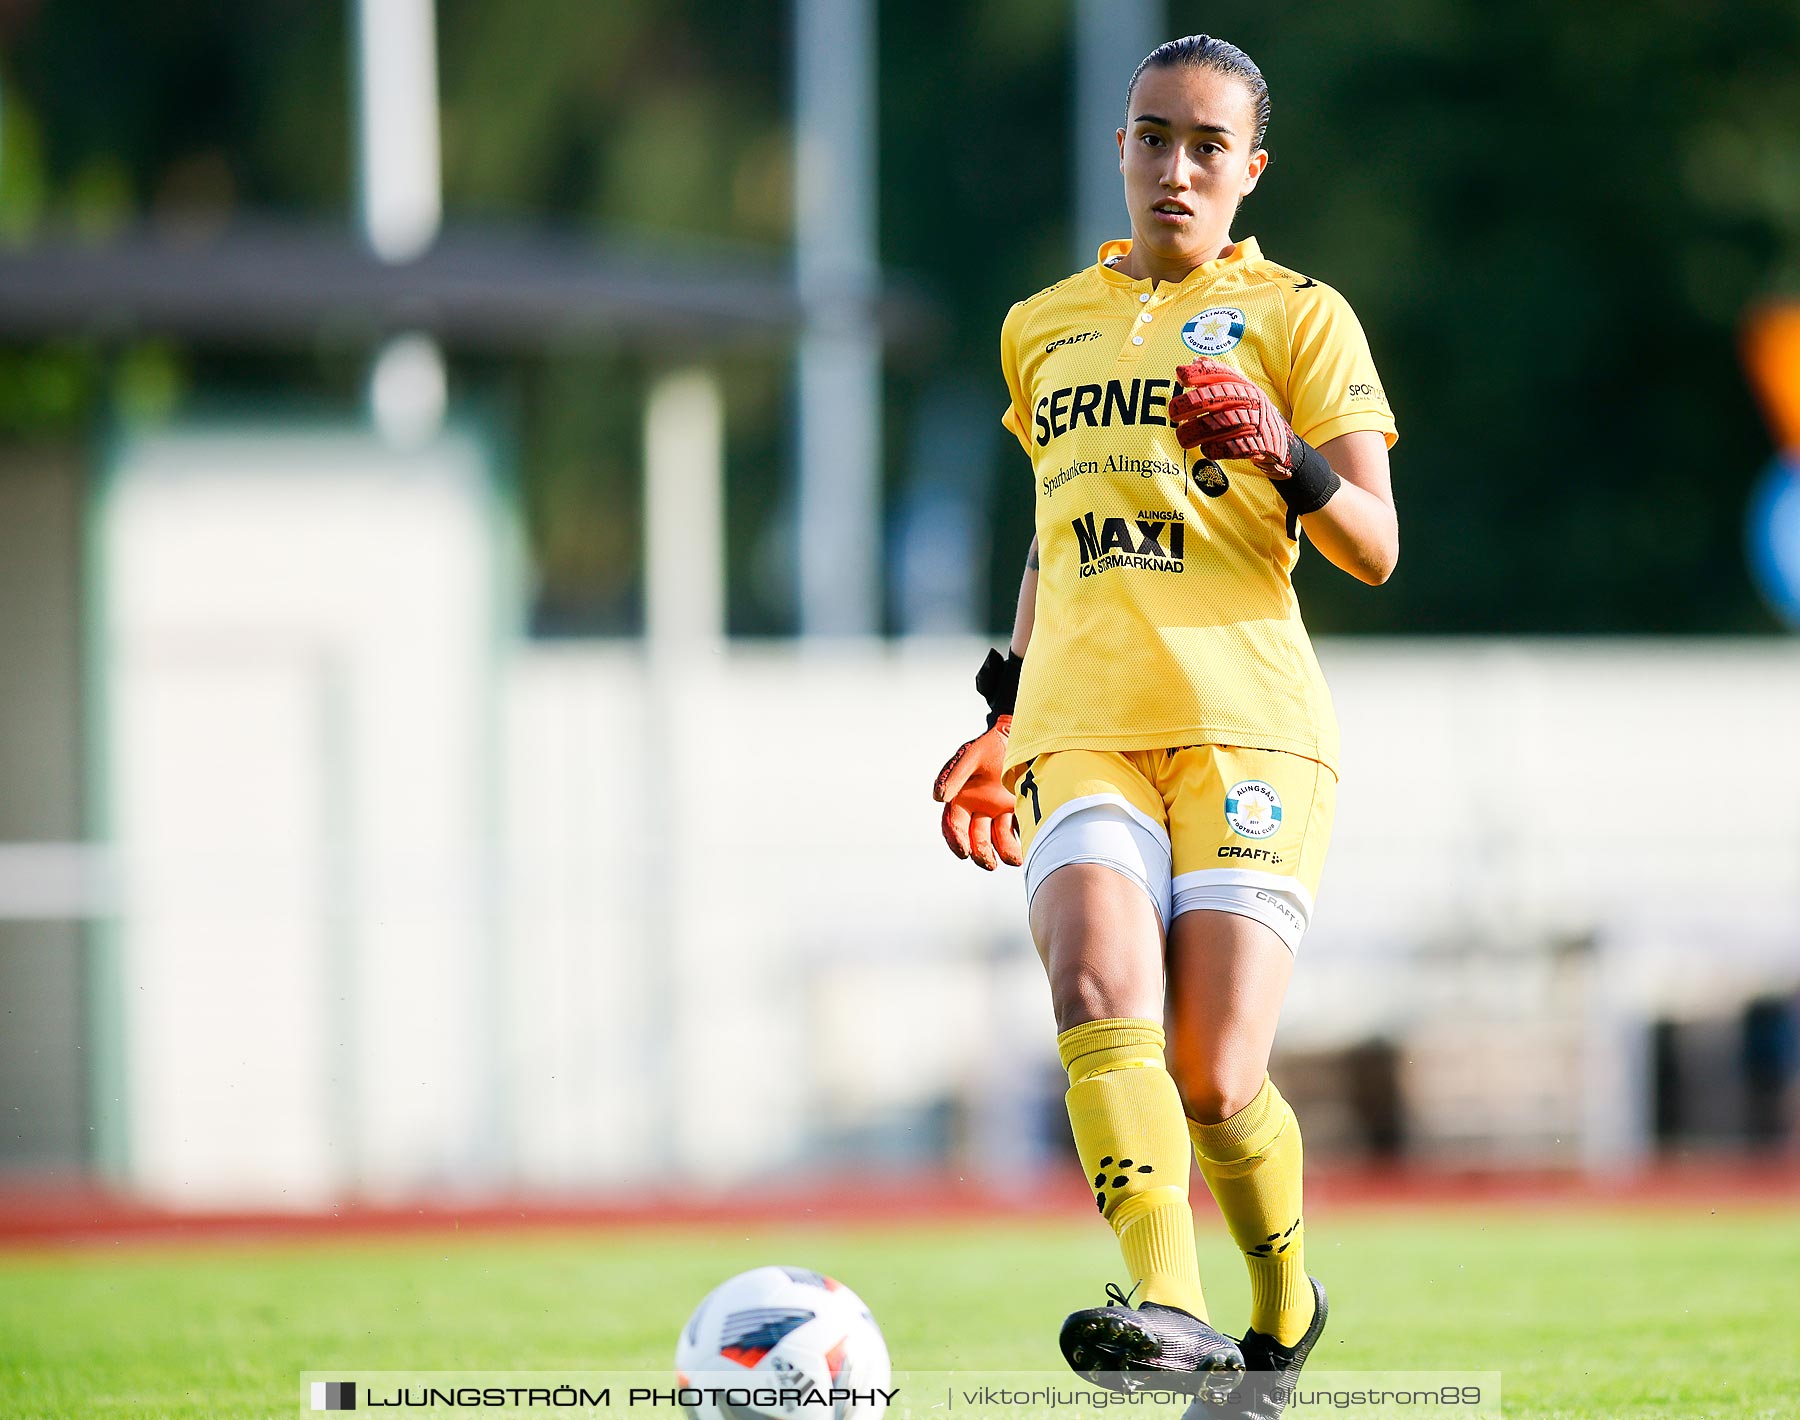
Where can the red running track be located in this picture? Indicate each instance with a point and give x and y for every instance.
(52, 1213)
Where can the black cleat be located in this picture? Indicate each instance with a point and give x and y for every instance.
(1154, 1347)
(1271, 1370)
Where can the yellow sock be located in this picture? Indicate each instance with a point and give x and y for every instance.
(1251, 1162)
(1127, 1118)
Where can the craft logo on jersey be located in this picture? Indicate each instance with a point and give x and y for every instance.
(1214, 331)
(1253, 809)
(1147, 544)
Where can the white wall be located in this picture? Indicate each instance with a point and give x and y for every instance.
(297, 632)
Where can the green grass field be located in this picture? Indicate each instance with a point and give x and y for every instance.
(1643, 1315)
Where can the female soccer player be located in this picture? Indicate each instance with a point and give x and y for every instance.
(1161, 751)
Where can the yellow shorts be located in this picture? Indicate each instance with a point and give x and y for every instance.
(1206, 826)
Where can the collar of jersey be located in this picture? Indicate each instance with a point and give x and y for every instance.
(1246, 250)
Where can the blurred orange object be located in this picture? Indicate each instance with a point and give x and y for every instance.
(1771, 352)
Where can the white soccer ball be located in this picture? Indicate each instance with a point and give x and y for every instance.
(782, 1342)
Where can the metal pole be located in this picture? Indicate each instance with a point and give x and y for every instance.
(400, 200)
(684, 635)
(1111, 37)
(400, 209)
(837, 271)
(684, 515)
(400, 195)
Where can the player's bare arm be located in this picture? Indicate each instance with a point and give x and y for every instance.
(1340, 492)
(1358, 530)
(1027, 608)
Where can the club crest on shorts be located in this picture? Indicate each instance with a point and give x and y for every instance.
(1214, 331)
(1253, 809)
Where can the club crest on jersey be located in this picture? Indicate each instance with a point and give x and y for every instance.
(1214, 331)
(1253, 809)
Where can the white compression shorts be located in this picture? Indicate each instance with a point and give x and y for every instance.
(1112, 833)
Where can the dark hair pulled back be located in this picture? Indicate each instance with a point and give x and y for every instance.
(1208, 52)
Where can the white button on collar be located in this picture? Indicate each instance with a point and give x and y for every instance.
(1137, 340)
(1144, 315)
(1143, 295)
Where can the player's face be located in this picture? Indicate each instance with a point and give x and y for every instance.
(1188, 157)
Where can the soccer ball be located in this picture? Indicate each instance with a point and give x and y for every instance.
(782, 1342)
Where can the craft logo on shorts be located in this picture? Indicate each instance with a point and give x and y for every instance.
(1214, 331)
(1253, 809)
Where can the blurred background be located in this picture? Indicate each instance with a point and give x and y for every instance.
(500, 507)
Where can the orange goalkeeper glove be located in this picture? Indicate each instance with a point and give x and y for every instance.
(978, 820)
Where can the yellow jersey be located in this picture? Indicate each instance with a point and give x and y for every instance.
(1166, 613)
